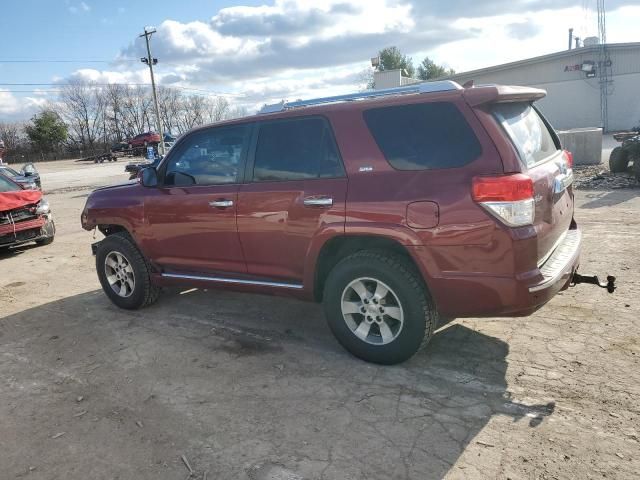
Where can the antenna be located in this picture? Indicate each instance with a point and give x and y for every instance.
(570, 37)
(604, 65)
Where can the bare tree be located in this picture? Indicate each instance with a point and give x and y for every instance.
(98, 114)
(12, 134)
(171, 107)
(217, 109)
(115, 95)
(194, 111)
(83, 108)
(136, 108)
(238, 112)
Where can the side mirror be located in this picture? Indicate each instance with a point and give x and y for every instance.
(28, 170)
(148, 177)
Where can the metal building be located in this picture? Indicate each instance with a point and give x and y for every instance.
(573, 79)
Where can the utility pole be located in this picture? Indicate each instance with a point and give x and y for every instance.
(149, 60)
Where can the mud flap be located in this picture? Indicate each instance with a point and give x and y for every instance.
(94, 247)
(610, 284)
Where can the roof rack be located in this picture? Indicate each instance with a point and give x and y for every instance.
(425, 87)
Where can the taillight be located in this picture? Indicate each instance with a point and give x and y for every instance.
(507, 197)
(569, 158)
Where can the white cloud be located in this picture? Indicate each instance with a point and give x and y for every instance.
(296, 48)
(546, 34)
(13, 107)
(81, 7)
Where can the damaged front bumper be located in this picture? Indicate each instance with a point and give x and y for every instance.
(17, 233)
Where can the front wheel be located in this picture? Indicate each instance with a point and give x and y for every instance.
(378, 308)
(124, 273)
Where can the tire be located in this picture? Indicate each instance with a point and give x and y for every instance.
(636, 167)
(134, 273)
(410, 327)
(50, 232)
(618, 160)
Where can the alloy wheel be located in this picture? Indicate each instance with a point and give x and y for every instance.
(372, 311)
(119, 273)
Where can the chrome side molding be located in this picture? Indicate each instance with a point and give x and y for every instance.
(235, 281)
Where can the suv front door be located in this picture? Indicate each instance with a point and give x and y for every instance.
(296, 187)
(191, 216)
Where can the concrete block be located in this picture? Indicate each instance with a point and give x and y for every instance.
(584, 143)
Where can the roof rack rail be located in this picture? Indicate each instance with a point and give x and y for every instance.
(425, 87)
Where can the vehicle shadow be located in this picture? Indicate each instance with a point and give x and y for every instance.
(240, 383)
(609, 198)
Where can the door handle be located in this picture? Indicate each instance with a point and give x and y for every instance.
(318, 202)
(222, 203)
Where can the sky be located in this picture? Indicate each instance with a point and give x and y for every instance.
(263, 51)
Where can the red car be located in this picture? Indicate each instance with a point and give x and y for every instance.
(421, 202)
(144, 139)
(25, 216)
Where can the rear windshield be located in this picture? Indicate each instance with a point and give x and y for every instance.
(527, 130)
(423, 136)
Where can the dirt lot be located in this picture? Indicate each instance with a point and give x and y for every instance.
(256, 387)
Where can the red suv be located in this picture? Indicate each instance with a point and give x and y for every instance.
(144, 139)
(393, 208)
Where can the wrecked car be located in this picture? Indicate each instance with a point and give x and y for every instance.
(25, 216)
(28, 177)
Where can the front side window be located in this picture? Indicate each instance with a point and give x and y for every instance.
(527, 131)
(423, 136)
(208, 157)
(296, 150)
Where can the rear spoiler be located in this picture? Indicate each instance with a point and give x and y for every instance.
(484, 94)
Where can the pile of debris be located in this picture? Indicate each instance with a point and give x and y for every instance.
(598, 177)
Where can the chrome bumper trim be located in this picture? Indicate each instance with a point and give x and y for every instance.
(556, 266)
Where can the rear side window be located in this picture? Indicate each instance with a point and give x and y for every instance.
(296, 150)
(527, 131)
(423, 136)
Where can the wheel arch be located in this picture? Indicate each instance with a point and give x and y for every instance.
(339, 247)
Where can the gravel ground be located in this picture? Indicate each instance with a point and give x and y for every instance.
(599, 177)
(255, 387)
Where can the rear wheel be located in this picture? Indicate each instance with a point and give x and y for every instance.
(378, 308)
(636, 167)
(618, 160)
(124, 273)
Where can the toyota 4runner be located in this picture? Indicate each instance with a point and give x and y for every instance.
(392, 207)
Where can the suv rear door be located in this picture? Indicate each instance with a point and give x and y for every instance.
(296, 186)
(544, 161)
(191, 217)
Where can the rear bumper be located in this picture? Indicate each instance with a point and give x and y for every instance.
(484, 295)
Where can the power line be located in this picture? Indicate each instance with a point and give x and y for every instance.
(35, 60)
(98, 85)
(68, 84)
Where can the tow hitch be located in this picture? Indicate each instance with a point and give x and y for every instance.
(610, 284)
